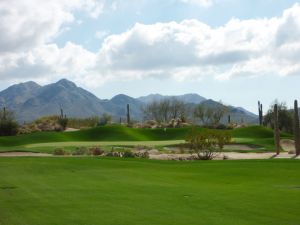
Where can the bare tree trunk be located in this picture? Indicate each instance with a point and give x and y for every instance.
(296, 128)
(276, 130)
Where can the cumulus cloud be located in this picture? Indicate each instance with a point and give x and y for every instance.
(239, 48)
(190, 49)
(47, 61)
(25, 24)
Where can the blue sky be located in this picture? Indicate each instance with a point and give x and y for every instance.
(235, 51)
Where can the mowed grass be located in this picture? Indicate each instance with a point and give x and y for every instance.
(121, 135)
(92, 191)
(105, 133)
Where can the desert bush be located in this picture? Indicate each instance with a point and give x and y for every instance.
(128, 154)
(96, 151)
(78, 123)
(113, 154)
(143, 155)
(206, 143)
(104, 119)
(81, 151)
(59, 151)
(8, 125)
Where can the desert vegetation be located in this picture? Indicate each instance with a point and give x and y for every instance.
(8, 125)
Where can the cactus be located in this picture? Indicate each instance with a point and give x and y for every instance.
(276, 130)
(4, 113)
(296, 128)
(63, 120)
(229, 119)
(128, 114)
(260, 113)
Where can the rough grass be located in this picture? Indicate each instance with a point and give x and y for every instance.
(90, 191)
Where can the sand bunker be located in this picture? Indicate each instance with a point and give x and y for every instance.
(23, 154)
(287, 145)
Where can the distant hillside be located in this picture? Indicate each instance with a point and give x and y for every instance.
(30, 101)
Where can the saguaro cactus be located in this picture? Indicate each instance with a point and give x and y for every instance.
(296, 128)
(128, 114)
(260, 113)
(229, 119)
(276, 130)
(61, 113)
(4, 113)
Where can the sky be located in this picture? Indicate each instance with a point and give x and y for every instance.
(237, 51)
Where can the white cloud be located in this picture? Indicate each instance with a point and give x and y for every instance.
(181, 51)
(47, 61)
(239, 48)
(26, 24)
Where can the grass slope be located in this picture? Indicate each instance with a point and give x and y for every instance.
(90, 191)
(254, 135)
(105, 133)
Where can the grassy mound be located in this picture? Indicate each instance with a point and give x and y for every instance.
(105, 133)
(254, 135)
(85, 191)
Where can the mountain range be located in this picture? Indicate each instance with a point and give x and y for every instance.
(30, 101)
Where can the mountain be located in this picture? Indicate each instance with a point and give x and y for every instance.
(188, 98)
(17, 94)
(30, 101)
(48, 99)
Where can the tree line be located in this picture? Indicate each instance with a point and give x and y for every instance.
(165, 110)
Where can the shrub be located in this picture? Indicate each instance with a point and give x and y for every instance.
(113, 154)
(8, 125)
(143, 155)
(206, 143)
(128, 154)
(81, 151)
(59, 151)
(96, 151)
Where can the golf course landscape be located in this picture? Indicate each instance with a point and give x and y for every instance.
(149, 112)
(107, 190)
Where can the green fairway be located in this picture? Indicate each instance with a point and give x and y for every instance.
(91, 191)
(121, 135)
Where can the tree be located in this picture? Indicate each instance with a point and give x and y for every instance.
(8, 125)
(165, 110)
(104, 119)
(285, 117)
(210, 115)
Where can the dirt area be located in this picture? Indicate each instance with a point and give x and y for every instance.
(154, 154)
(227, 155)
(240, 147)
(71, 130)
(288, 145)
(23, 154)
